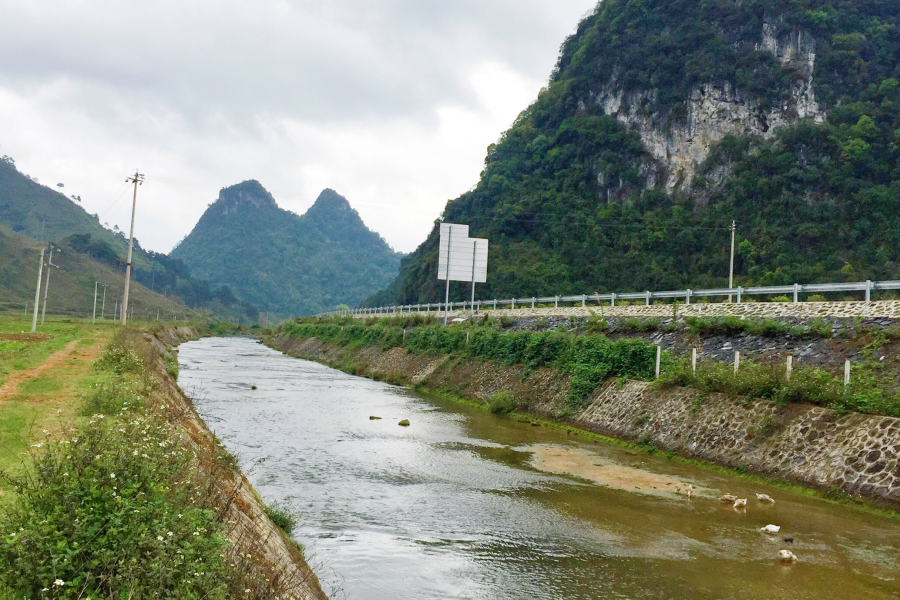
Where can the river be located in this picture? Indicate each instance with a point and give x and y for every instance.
(465, 504)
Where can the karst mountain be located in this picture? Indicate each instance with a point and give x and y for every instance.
(663, 121)
(284, 263)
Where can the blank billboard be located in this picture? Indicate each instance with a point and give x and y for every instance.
(467, 256)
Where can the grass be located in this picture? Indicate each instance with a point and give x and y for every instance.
(872, 389)
(283, 517)
(116, 502)
(587, 359)
(48, 402)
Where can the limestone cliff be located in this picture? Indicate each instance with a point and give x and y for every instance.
(717, 109)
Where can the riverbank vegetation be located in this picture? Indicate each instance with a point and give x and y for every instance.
(585, 354)
(116, 501)
(588, 360)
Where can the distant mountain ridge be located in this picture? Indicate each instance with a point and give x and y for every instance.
(286, 263)
(36, 214)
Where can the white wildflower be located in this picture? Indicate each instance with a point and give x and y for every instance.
(59, 582)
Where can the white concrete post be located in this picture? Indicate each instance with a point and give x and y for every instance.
(740, 291)
(583, 300)
(737, 361)
(658, 357)
(612, 300)
(495, 304)
(868, 290)
(513, 304)
(790, 366)
(796, 293)
(847, 372)
(688, 297)
(556, 302)
(532, 302)
(694, 361)
(648, 297)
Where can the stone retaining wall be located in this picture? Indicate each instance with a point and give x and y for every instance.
(859, 454)
(875, 309)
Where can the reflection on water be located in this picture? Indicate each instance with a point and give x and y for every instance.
(464, 504)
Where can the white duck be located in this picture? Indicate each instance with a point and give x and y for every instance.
(786, 556)
(729, 498)
(740, 503)
(765, 498)
(770, 529)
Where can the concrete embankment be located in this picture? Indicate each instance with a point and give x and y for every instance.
(805, 444)
(250, 529)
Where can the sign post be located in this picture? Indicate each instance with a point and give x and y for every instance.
(461, 258)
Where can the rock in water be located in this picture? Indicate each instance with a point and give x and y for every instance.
(786, 556)
(374, 418)
(404, 423)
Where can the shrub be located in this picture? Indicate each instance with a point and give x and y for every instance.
(502, 402)
(119, 359)
(782, 299)
(104, 523)
(817, 298)
(283, 517)
(112, 396)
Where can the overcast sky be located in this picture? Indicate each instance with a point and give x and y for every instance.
(390, 102)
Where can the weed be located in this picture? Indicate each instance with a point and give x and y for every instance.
(282, 516)
(502, 402)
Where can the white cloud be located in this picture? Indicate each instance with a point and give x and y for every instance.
(391, 103)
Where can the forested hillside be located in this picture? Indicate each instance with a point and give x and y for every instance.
(666, 119)
(44, 215)
(285, 263)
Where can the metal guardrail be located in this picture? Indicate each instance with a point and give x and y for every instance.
(775, 290)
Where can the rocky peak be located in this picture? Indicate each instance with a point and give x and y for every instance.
(244, 195)
(330, 207)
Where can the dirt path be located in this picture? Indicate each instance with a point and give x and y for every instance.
(16, 378)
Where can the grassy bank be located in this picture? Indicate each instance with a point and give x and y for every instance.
(588, 360)
(112, 500)
(589, 357)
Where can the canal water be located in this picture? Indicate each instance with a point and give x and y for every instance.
(465, 504)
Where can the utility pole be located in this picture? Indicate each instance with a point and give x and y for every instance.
(103, 306)
(37, 293)
(137, 179)
(731, 268)
(47, 285)
(94, 314)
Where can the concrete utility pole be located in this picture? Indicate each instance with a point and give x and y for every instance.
(37, 293)
(103, 305)
(731, 268)
(47, 285)
(94, 313)
(137, 179)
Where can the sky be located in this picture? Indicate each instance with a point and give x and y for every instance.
(392, 103)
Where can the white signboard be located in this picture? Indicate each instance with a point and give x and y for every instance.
(461, 258)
